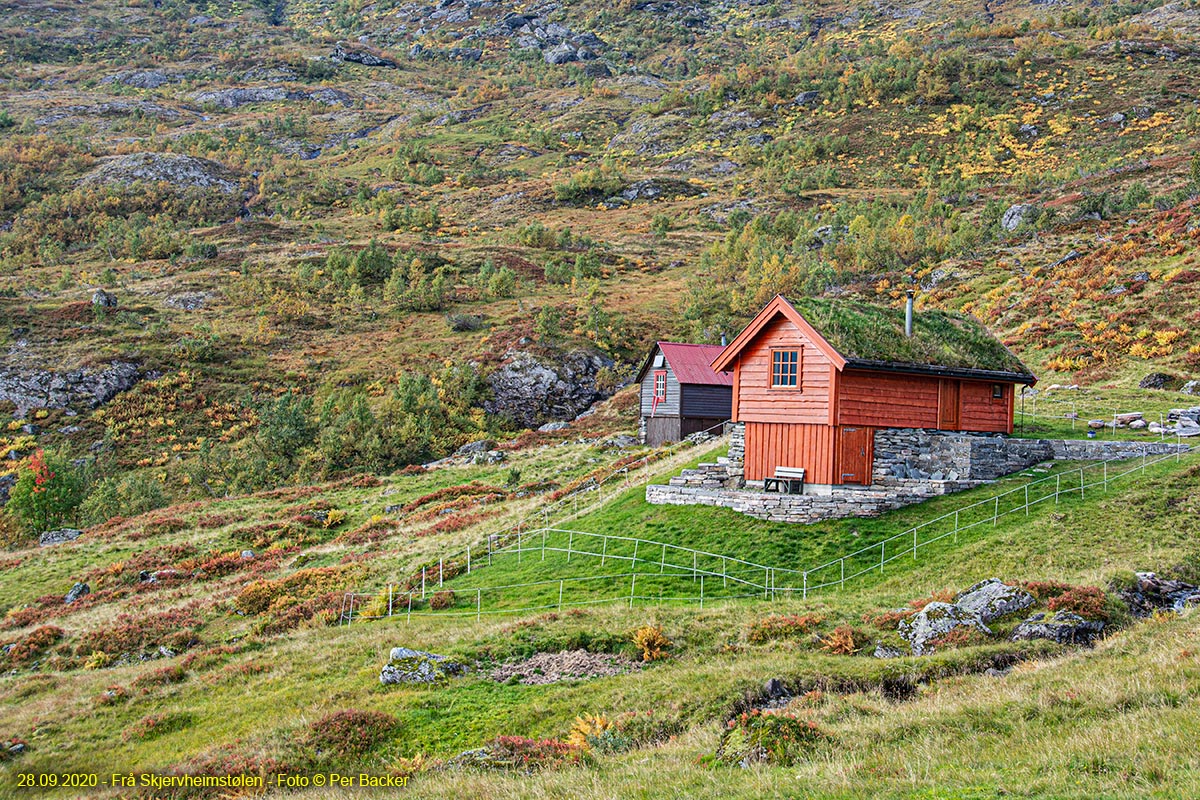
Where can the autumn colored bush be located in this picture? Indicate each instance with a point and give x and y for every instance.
(175, 673)
(779, 738)
(528, 755)
(962, 636)
(942, 596)
(653, 643)
(887, 620)
(112, 695)
(844, 641)
(1086, 601)
(130, 634)
(350, 733)
(782, 626)
(34, 644)
(153, 726)
(440, 601)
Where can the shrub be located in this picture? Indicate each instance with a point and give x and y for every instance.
(1086, 601)
(34, 644)
(653, 643)
(160, 677)
(462, 323)
(844, 641)
(441, 600)
(600, 733)
(782, 626)
(152, 726)
(350, 732)
(112, 695)
(46, 493)
(774, 737)
(126, 496)
(943, 596)
(130, 635)
(527, 755)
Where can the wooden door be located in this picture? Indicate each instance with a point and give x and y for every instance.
(856, 455)
(949, 403)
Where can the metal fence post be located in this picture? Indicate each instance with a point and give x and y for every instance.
(560, 591)
(1057, 487)
(468, 559)
(881, 551)
(422, 583)
(478, 604)
(843, 586)
(805, 595)
(662, 564)
(1027, 499)
(408, 618)
(1081, 483)
(914, 545)
(604, 552)
(441, 572)
(724, 574)
(632, 583)
(996, 512)
(390, 597)
(570, 542)
(693, 565)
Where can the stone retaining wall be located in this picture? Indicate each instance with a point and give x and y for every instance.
(803, 508)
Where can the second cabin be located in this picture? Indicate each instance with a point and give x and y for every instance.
(813, 381)
(680, 392)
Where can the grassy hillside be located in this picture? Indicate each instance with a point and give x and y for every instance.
(240, 694)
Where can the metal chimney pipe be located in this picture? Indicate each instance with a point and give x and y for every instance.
(908, 314)
(722, 338)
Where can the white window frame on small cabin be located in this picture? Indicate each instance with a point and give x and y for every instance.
(795, 364)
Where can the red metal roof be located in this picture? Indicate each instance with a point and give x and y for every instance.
(692, 363)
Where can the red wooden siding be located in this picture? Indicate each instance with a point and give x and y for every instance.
(882, 400)
(758, 401)
(771, 444)
(982, 412)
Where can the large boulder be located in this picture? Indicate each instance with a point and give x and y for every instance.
(59, 536)
(1062, 627)
(561, 54)
(406, 665)
(935, 621)
(1151, 593)
(38, 388)
(1015, 215)
(178, 171)
(531, 390)
(77, 591)
(992, 599)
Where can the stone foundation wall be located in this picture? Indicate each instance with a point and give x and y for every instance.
(737, 441)
(803, 508)
(919, 454)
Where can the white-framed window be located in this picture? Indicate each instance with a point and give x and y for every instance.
(785, 369)
(660, 385)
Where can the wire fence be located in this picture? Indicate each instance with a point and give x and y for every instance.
(660, 572)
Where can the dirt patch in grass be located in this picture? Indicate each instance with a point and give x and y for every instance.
(569, 665)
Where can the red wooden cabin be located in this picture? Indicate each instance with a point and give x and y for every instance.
(812, 384)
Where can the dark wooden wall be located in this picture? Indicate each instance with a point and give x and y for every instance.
(884, 400)
(705, 401)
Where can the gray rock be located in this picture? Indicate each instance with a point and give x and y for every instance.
(406, 665)
(1157, 380)
(30, 429)
(623, 441)
(235, 98)
(179, 171)
(1028, 131)
(1096, 424)
(773, 688)
(1191, 387)
(342, 53)
(247, 555)
(883, 651)
(77, 591)
(143, 79)
(1015, 215)
(531, 390)
(481, 446)
(992, 599)
(597, 69)
(59, 536)
(1116, 119)
(6, 484)
(934, 621)
(103, 299)
(992, 672)
(1062, 627)
(29, 389)
(809, 98)
(469, 54)
(1138, 424)
(552, 427)
(561, 54)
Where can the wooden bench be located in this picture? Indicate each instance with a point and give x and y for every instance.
(788, 480)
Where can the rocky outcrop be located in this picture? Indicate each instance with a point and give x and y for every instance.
(77, 591)
(143, 78)
(234, 98)
(992, 599)
(416, 666)
(1151, 593)
(1062, 627)
(1016, 215)
(934, 621)
(29, 389)
(531, 390)
(182, 172)
(59, 536)
(343, 53)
